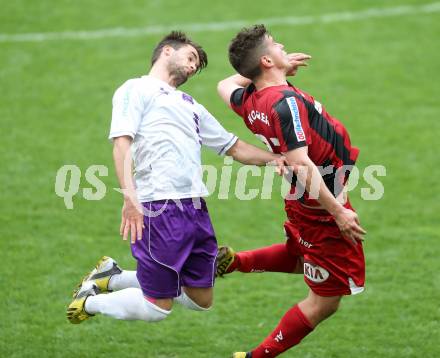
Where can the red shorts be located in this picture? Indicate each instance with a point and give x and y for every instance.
(333, 266)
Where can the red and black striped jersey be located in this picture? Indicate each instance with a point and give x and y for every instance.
(286, 118)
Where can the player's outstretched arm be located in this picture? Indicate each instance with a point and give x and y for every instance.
(310, 177)
(246, 153)
(132, 216)
(226, 87)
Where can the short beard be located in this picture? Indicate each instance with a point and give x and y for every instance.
(178, 74)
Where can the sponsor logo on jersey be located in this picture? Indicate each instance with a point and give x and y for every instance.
(305, 243)
(315, 273)
(297, 126)
(254, 115)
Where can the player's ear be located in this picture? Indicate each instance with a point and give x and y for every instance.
(167, 50)
(266, 61)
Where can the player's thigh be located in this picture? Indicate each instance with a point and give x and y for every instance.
(333, 266)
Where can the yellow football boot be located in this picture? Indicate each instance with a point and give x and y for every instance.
(225, 258)
(100, 275)
(76, 312)
(242, 355)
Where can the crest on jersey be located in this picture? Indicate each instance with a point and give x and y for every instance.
(297, 126)
(188, 98)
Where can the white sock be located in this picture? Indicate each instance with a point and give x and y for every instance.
(187, 302)
(122, 280)
(127, 304)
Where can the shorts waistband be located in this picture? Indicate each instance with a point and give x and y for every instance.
(175, 201)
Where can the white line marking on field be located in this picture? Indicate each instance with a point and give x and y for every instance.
(222, 26)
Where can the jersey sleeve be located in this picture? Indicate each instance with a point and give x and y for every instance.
(237, 101)
(293, 127)
(127, 111)
(213, 135)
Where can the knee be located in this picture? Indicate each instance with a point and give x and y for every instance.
(197, 301)
(318, 309)
(201, 303)
(205, 303)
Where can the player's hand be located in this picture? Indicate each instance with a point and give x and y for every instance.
(132, 221)
(280, 165)
(296, 60)
(348, 222)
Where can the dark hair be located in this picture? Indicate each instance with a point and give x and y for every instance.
(245, 50)
(177, 39)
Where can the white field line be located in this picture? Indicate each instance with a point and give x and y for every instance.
(222, 26)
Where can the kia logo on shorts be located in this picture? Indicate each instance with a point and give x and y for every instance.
(315, 273)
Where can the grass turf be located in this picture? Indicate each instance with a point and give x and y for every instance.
(380, 76)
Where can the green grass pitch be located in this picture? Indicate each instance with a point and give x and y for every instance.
(379, 75)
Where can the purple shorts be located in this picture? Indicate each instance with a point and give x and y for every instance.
(178, 248)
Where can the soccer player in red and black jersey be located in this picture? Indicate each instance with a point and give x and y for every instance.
(324, 236)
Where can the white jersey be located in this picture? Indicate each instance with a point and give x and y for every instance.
(168, 128)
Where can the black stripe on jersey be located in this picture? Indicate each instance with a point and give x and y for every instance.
(327, 132)
(287, 126)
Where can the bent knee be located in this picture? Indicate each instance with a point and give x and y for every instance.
(199, 299)
(204, 303)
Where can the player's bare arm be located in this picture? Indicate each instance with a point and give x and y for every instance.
(307, 172)
(226, 87)
(132, 217)
(246, 153)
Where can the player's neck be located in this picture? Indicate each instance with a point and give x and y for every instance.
(162, 74)
(270, 79)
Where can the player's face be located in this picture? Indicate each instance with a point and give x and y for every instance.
(277, 53)
(183, 63)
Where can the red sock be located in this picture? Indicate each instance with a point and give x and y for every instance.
(293, 327)
(275, 258)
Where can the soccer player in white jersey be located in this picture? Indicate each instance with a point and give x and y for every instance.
(163, 213)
